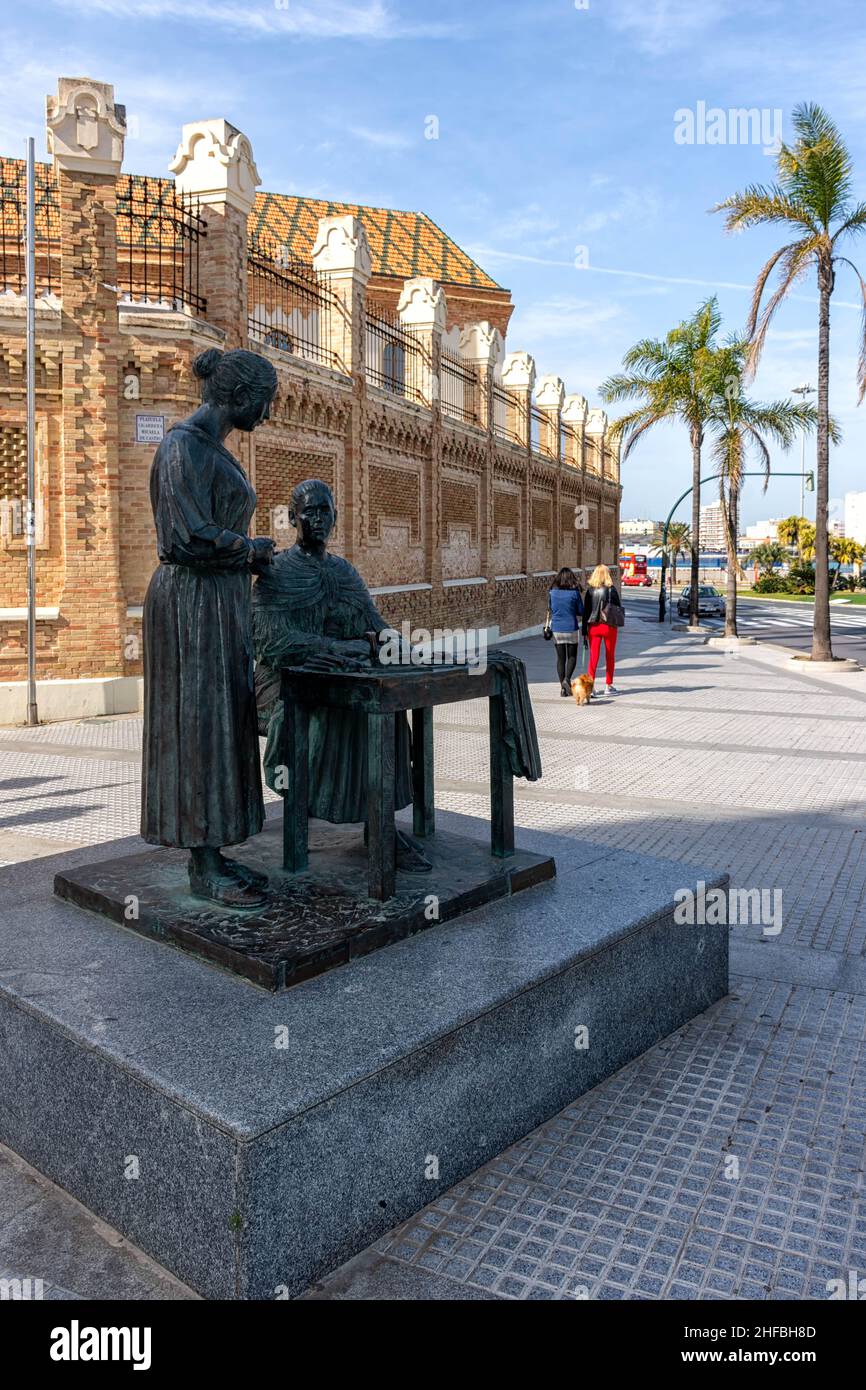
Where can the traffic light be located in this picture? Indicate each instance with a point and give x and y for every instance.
(810, 481)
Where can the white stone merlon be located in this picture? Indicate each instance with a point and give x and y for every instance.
(482, 344)
(341, 248)
(214, 161)
(596, 422)
(422, 304)
(518, 371)
(549, 392)
(85, 127)
(574, 410)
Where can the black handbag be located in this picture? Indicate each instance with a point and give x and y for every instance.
(613, 614)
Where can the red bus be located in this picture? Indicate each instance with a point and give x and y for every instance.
(633, 568)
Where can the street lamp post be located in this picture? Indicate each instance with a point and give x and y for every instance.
(803, 391)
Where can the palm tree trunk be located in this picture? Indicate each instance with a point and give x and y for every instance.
(697, 440)
(821, 648)
(731, 595)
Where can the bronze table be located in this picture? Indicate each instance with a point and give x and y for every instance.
(382, 694)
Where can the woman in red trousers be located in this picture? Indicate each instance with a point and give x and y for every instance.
(600, 592)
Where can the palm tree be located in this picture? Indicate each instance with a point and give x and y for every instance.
(667, 379)
(740, 425)
(813, 200)
(807, 542)
(679, 544)
(789, 532)
(845, 551)
(767, 555)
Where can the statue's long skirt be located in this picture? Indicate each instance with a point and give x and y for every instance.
(201, 771)
(338, 762)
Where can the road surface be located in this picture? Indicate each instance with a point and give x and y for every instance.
(789, 624)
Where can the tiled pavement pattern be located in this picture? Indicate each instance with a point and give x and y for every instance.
(704, 758)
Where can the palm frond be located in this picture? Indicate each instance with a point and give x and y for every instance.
(760, 285)
(622, 387)
(630, 428)
(795, 261)
(761, 450)
(854, 222)
(764, 204)
(816, 171)
(861, 356)
(647, 356)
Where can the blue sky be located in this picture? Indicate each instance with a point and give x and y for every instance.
(556, 131)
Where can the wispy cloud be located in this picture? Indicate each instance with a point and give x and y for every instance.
(659, 27)
(382, 139)
(632, 206)
(491, 253)
(533, 223)
(317, 19)
(562, 317)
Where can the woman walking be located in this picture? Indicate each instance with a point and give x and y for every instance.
(564, 612)
(600, 596)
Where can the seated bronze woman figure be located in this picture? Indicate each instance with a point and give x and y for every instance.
(313, 609)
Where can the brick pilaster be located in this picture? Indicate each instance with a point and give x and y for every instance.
(596, 428)
(85, 135)
(422, 312)
(342, 255)
(518, 376)
(481, 347)
(549, 397)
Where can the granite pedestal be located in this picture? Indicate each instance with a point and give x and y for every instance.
(252, 1141)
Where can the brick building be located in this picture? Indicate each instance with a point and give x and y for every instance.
(462, 482)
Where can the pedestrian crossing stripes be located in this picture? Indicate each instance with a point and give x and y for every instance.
(838, 620)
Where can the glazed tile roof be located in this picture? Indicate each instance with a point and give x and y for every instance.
(402, 244)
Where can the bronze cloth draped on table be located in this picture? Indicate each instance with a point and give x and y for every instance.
(201, 782)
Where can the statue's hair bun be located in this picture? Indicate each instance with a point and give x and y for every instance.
(206, 363)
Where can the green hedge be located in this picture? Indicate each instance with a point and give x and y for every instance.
(799, 581)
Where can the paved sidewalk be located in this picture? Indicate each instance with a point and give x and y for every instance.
(732, 762)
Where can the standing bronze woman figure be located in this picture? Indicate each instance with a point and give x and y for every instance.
(201, 786)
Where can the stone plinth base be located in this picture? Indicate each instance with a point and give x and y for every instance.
(252, 1141)
(312, 921)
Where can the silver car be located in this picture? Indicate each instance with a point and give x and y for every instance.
(711, 603)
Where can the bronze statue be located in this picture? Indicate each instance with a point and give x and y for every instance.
(201, 785)
(311, 608)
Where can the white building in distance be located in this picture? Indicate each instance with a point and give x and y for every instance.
(638, 526)
(763, 531)
(855, 516)
(712, 527)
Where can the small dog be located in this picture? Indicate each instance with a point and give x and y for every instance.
(581, 689)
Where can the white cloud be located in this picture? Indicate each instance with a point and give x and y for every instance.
(534, 223)
(639, 206)
(308, 19)
(659, 27)
(381, 139)
(563, 317)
